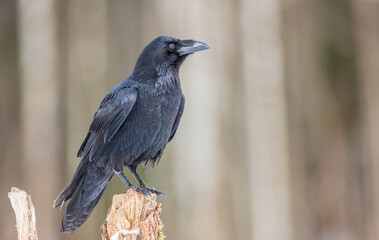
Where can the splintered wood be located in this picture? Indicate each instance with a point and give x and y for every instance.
(133, 216)
(25, 214)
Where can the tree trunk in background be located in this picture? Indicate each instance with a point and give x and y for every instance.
(10, 164)
(332, 134)
(39, 114)
(326, 152)
(301, 71)
(366, 20)
(267, 120)
(87, 84)
(196, 172)
(233, 180)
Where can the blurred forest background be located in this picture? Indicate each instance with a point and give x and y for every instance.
(279, 138)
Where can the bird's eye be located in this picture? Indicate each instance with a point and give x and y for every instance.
(172, 46)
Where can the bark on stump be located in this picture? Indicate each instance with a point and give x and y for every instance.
(133, 216)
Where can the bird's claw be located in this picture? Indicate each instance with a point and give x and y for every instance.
(149, 191)
(132, 187)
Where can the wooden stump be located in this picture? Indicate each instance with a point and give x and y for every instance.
(133, 216)
(25, 215)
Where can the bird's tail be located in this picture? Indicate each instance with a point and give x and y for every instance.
(85, 191)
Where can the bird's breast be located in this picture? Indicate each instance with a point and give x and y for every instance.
(149, 125)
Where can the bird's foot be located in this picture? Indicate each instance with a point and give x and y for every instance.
(148, 191)
(132, 187)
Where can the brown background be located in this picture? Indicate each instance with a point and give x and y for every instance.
(279, 139)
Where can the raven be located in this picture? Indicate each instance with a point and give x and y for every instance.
(132, 126)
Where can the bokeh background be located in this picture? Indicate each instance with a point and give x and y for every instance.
(279, 138)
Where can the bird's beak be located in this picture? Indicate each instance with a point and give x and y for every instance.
(190, 46)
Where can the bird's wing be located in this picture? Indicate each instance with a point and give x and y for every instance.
(177, 119)
(112, 113)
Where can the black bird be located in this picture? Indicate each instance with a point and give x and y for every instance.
(132, 126)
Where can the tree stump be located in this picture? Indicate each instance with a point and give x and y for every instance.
(133, 216)
(25, 215)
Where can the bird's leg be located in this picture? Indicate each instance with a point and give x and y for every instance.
(125, 180)
(142, 186)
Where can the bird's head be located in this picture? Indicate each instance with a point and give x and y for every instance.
(166, 52)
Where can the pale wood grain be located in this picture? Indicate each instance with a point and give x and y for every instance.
(25, 214)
